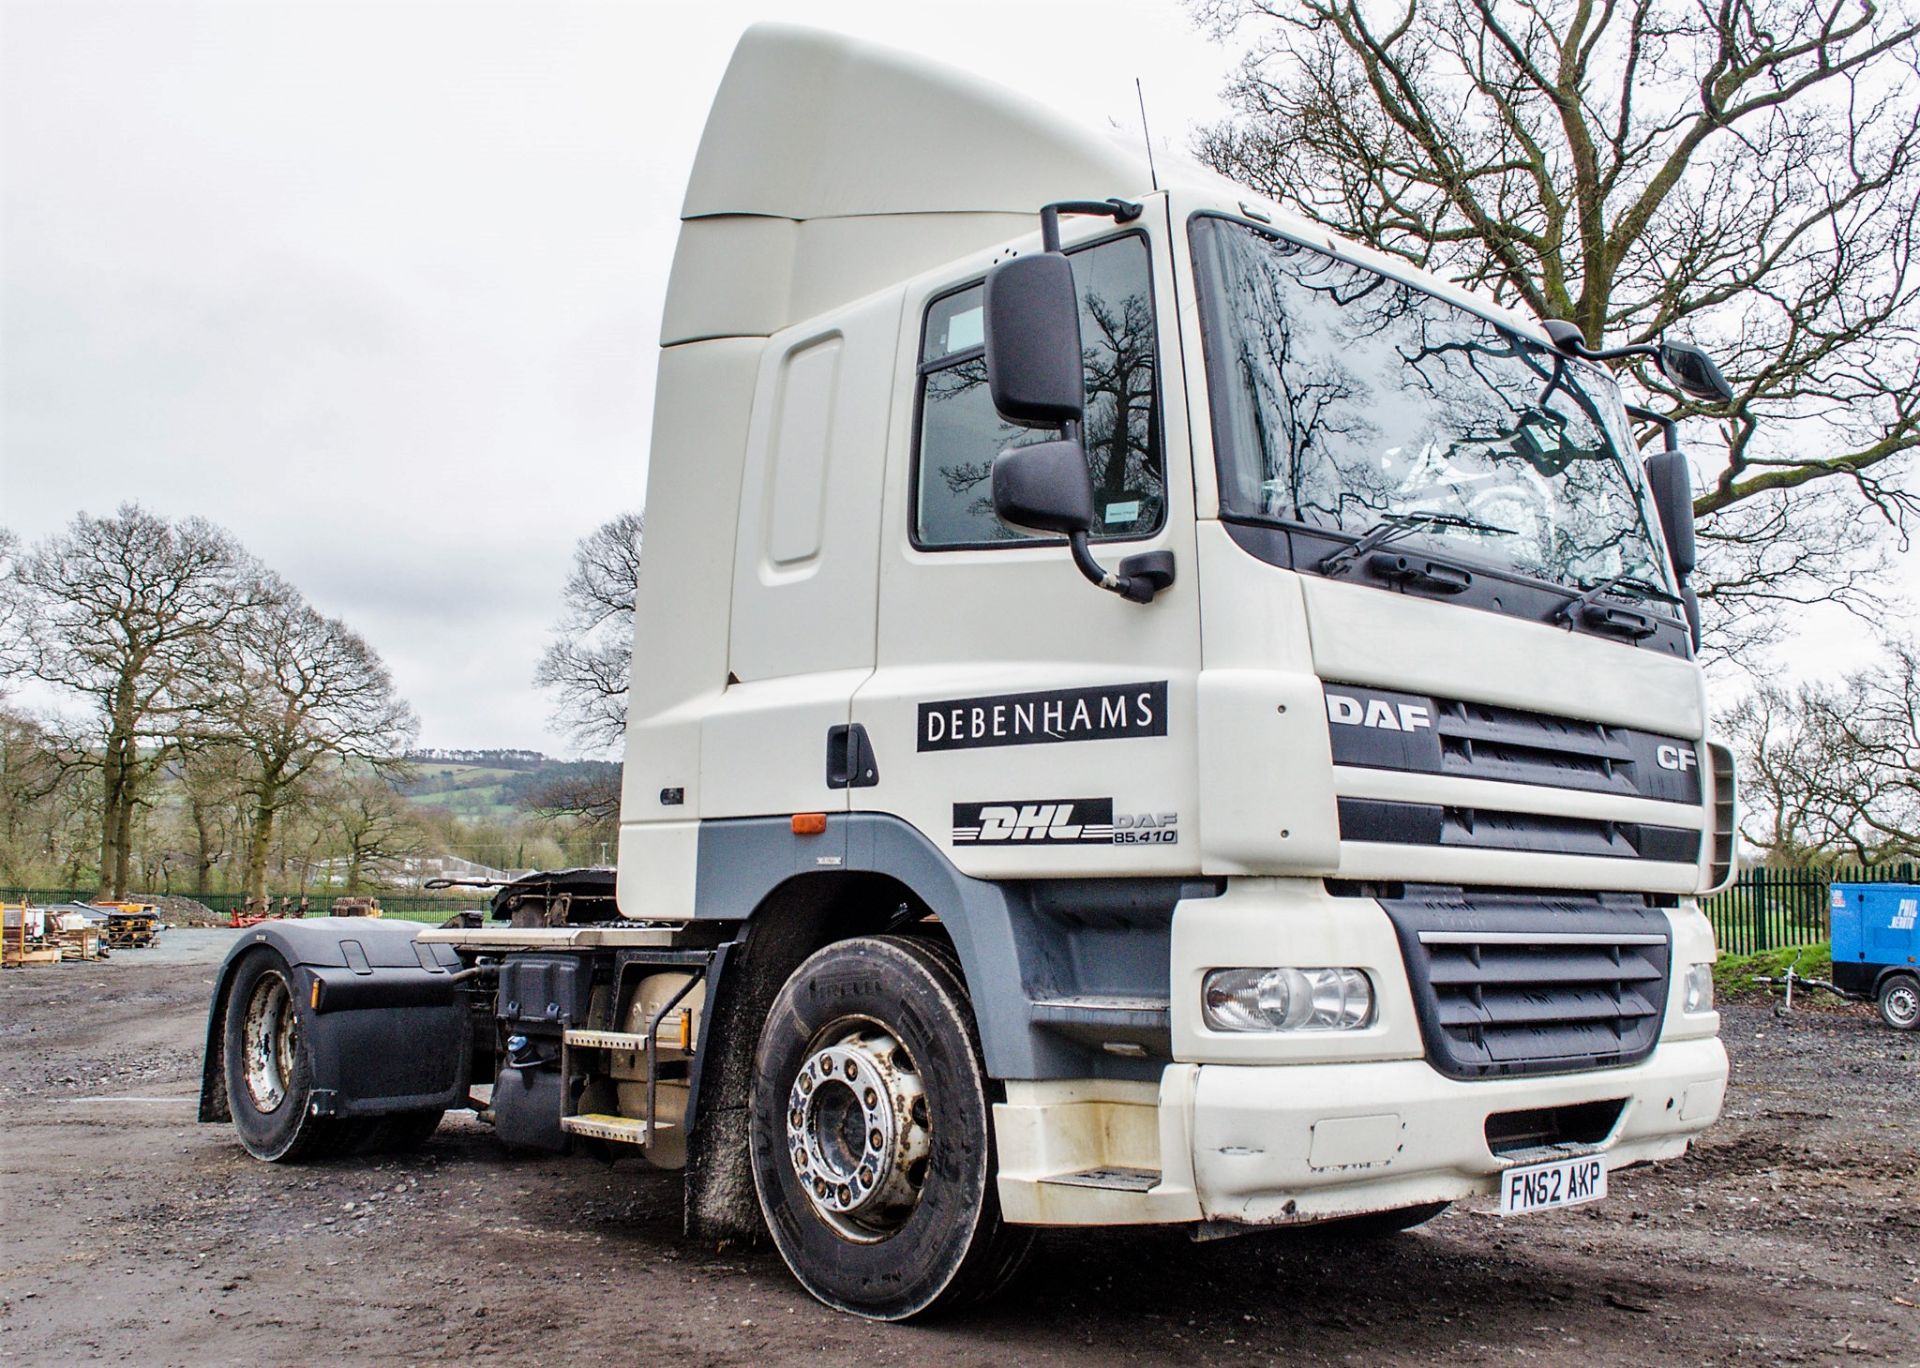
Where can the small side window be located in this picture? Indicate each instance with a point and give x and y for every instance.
(960, 433)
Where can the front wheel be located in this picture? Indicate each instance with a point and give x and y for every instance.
(1900, 1002)
(872, 1144)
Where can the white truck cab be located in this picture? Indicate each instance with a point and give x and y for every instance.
(1145, 713)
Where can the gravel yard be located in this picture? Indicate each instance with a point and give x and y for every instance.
(1791, 1234)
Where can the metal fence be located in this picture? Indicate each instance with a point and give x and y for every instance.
(1764, 910)
(1767, 909)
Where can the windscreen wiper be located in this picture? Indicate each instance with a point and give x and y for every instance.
(1397, 525)
(1587, 608)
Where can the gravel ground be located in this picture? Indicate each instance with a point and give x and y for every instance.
(1791, 1234)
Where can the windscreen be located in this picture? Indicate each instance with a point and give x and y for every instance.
(1343, 398)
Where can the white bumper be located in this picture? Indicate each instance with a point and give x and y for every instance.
(1307, 1141)
(1276, 1143)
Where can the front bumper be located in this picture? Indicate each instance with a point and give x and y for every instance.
(1305, 1142)
(1267, 1144)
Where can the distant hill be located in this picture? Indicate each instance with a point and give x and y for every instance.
(498, 783)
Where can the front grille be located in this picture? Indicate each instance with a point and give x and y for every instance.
(1721, 872)
(1527, 983)
(1382, 729)
(1456, 827)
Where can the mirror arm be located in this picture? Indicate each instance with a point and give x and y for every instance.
(1669, 427)
(1137, 580)
(1575, 347)
(1119, 210)
(1138, 588)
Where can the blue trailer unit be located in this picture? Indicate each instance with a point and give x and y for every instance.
(1876, 947)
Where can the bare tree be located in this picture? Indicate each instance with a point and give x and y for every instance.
(371, 823)
(301, 690)
(211, 788)
(1832, 772)
(582, 801)
(123, 613)
(589, 663)
(1746, 171)
(41, 823)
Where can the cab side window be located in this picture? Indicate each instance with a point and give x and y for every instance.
(960, 434)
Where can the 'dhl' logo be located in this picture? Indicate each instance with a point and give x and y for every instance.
(1046, 821)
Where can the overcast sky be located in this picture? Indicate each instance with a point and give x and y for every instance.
(376, 286)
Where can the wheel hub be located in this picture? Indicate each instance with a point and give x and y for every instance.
(1903, 1004)
(270, 1042)
(857, 1131)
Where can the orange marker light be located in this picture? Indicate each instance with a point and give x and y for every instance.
(809, 823)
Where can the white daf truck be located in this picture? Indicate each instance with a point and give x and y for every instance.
(1143, 713)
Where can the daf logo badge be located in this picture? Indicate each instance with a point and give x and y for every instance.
(1681, 758)
(1377, 712)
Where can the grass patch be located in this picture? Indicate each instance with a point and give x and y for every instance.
(1733, 975)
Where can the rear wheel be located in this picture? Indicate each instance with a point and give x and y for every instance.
(872, 1143)
(1900, 1002)
(269, 1067)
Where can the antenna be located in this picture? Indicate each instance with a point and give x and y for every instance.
(1146, 137)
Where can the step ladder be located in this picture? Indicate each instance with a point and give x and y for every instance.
(597, 1045)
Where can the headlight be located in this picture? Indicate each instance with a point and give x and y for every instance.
(1697, 993)
(1287, 999)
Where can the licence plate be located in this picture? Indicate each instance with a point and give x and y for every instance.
(1561, 1183)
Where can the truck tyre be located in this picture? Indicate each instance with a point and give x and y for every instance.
(1900, 1001)
(872, 1143)
(269, 1067)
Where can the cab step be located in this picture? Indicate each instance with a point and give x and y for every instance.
(621, 1130)
(1112, 1179)
(606, 1040)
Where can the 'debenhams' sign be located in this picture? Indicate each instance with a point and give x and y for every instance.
(1107, 712)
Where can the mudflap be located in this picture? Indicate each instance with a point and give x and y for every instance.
(381, 1013)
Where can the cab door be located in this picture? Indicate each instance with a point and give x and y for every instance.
(801, 637)
(1025, 721)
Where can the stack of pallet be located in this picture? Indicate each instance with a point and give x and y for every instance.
(131, 926)
(78, 938)
(23, 937)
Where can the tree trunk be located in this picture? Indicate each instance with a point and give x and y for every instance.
(259, 841)
(203, 848)
(123, 853)
(110, 800)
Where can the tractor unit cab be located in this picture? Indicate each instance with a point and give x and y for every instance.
(1148, 714)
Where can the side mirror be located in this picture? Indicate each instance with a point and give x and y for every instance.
(1044, 487)
(1671, 484)
(1694, 372)
(1033, 342)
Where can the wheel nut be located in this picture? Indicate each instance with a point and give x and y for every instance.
(844, 1194)
(875, 1139)
(853, 1069)
(871, 1098)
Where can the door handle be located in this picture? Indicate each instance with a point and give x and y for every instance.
(850, 760)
